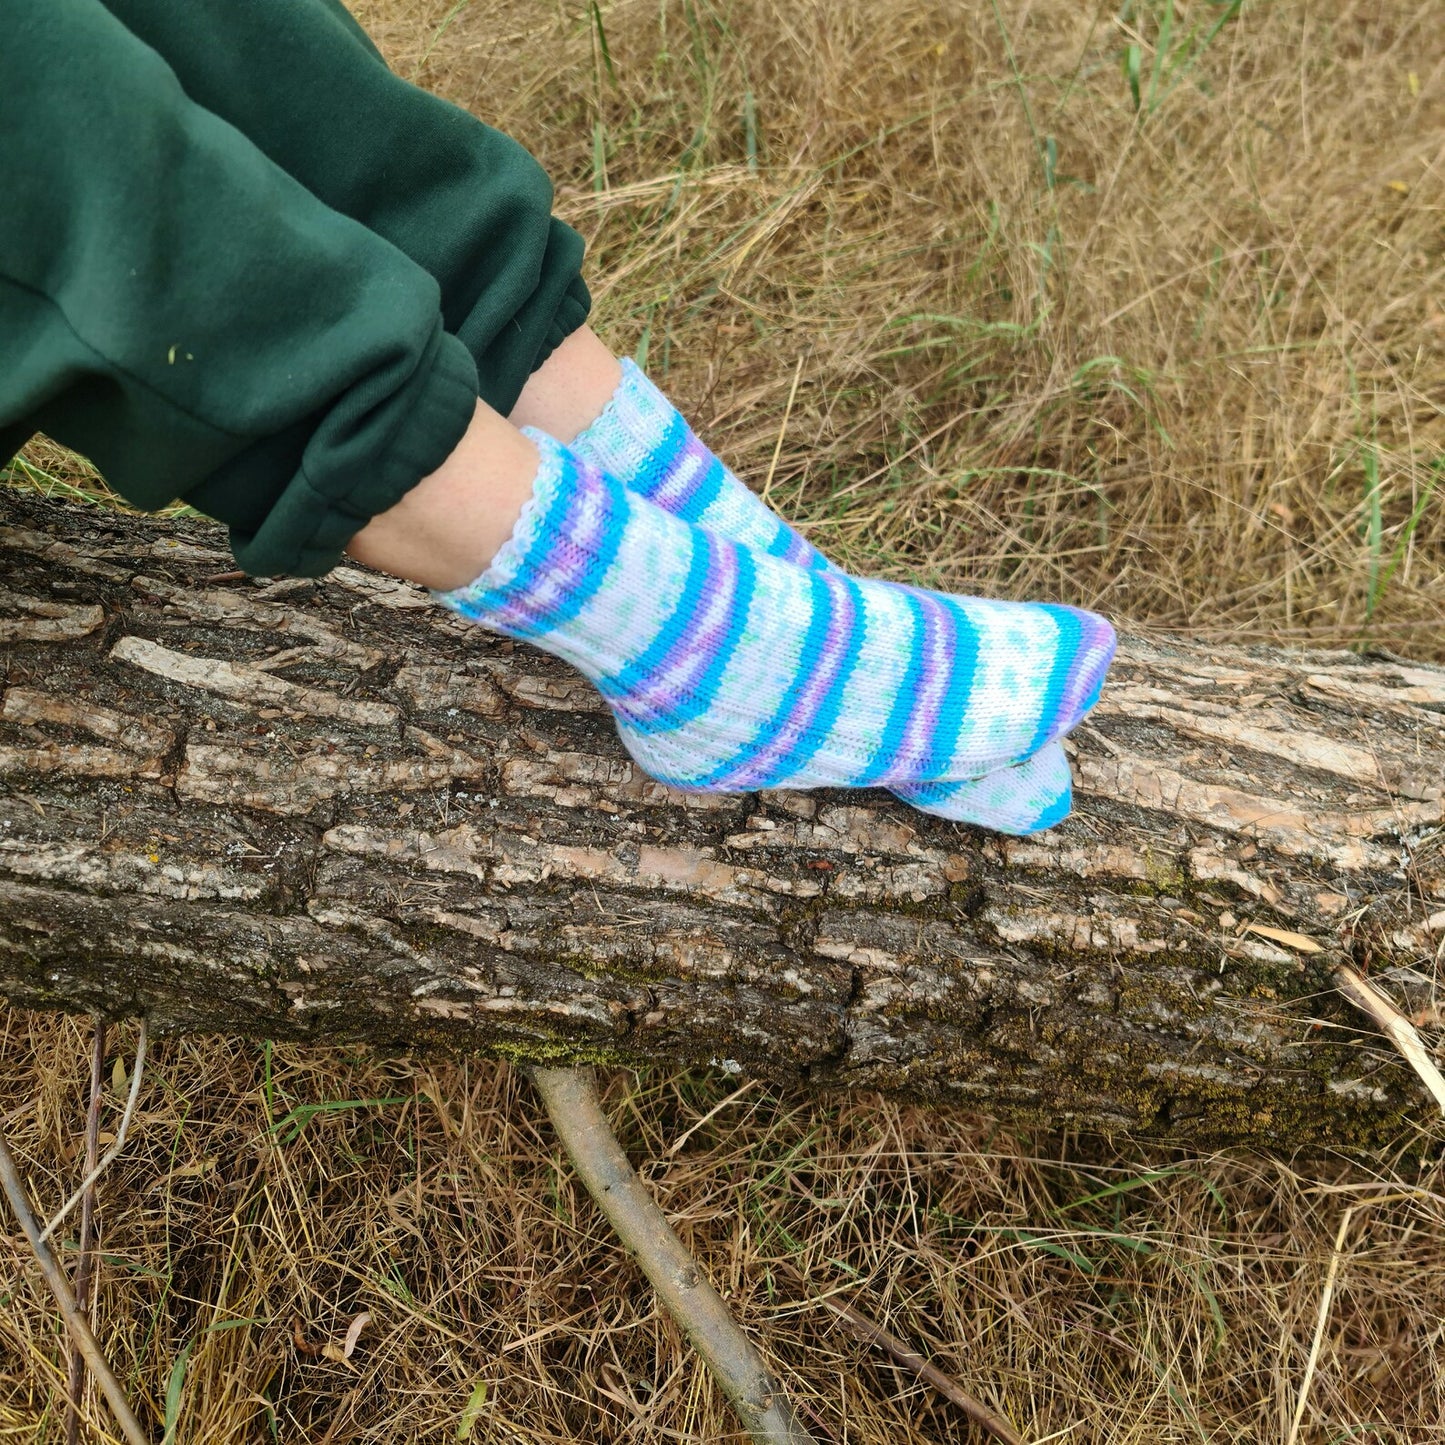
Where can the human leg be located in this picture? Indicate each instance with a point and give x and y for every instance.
(448, 527)
(468, 204)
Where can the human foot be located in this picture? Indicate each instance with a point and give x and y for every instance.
(644, 442)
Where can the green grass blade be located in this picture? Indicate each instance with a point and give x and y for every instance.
(175, 1388)
(1018, 79)
(1195, 53)
(288, 1128)
(1124, 1186)
(476, 1402)
(1049, 1246)
(1374, 524)
(600, 31)
(1161, 55)
(437, 34)
(599, 157)
(750, 130)
(1417, 513)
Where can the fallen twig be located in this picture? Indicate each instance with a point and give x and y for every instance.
(1394, 1025)
(75, 1322)
(875, 1335)
(84, 1266)
(576, 1112)
(113, 1153)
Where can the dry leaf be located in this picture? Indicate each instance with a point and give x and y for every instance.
(340, 1354)
(354, 1333)
(197, 1169)
(1284, 936)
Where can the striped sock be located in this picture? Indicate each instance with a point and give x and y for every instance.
(729, 670)
(643, 441)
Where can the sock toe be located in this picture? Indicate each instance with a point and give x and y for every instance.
(1082, 656)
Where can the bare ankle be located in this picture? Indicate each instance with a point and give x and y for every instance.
(567, 393)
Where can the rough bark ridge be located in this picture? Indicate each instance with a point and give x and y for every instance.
(329, 810)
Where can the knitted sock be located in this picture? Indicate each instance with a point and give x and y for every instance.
(644, 442)
(730, 670)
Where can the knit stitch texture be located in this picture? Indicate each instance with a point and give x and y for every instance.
(646, 443)
(1023, 798)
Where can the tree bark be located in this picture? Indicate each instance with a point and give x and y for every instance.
(329, 810)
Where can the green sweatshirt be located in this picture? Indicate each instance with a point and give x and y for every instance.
(245, 265)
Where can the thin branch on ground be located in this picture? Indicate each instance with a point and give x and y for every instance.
(875, 1335)
(113, 1153)
(575, 1108)
(85, 1265)
(75, 1322)
(1394, 1025)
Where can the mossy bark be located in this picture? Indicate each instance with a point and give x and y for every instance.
(327, 810)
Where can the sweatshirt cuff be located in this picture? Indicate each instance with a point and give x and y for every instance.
(308, 527)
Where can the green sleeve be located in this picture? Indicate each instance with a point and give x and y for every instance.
(301, 80)
(179, 308)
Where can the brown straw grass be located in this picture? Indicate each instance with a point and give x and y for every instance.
(1184, 363)
(1108, 1292)
(1182, 360)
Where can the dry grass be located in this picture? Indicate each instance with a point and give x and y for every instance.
(1089, 1289)
(1184, 362)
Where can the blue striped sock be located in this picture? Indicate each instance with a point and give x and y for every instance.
(731, 670)
(642, 440)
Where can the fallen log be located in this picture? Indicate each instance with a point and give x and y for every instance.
(329, 810)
